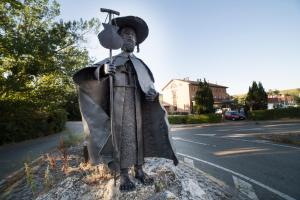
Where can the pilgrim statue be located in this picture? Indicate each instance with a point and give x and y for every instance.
(122, 117)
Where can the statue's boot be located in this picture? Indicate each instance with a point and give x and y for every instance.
(142, 176)
(125, 183)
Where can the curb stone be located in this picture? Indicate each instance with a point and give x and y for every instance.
(13, 177)
(233, 123)
(237, 195)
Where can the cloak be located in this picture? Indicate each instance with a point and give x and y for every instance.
(93, 90)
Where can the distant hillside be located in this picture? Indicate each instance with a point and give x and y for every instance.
(293, 92)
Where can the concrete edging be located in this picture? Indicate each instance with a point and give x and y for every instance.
(13, 177)
(232, 123)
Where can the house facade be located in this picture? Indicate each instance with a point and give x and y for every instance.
(178, 95)
(280, 101)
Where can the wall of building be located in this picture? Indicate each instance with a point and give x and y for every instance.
(176, 95)
(219, 93)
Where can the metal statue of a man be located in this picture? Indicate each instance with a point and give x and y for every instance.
(140, 127)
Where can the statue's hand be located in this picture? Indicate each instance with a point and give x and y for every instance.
(109, 68)
(151, 95)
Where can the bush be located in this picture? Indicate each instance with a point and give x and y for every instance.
(22, 120)
(275, 114)
(195, 119)
(72, 107)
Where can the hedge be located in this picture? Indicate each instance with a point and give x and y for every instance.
(195, 119)
(275, 114)
(22, 120)
(72, 107)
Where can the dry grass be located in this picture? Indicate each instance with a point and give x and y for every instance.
(30, 178)
(52, 161)
(95, 173)
(48, 182)
(54, 167)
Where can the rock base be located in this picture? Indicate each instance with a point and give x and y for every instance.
(171, 183)
(65, 176)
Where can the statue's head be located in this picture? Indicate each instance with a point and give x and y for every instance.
(129, 39)
(133, 30)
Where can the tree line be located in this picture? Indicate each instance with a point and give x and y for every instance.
(256, 98)
(39, 53)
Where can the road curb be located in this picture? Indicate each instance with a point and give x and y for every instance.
(234, 123)
(13, 177)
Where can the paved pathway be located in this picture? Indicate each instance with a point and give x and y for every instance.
(12, 156)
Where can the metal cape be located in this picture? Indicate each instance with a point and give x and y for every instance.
(94, 106)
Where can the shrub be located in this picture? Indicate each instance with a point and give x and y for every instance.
(22, 120)
(177, 119)
(275, 114)
(72, 107)
(195, 119)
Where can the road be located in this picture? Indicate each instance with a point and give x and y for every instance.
(228, 151)
(12, 156)
(232, 153)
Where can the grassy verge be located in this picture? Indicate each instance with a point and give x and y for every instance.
(286, 138)
(195, 119)
(72, 139)
(283, 113)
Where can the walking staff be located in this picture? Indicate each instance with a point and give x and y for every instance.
(110, 39)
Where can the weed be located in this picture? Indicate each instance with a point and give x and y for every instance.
(47, 179)
(29, 178)
(64, 156)
(52, 161)
(159, 186)
(96, 173)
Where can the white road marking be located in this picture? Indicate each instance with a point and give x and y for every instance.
(244, 187)
(189, 161)
(185, 140)
(282, 195)
(249, 129)
(262, 141)
(185, 127)
(209, 135)
(274, 125)
(223, 130)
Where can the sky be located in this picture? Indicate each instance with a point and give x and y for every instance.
(228, 42)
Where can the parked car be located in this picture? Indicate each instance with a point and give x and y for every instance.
(219, 111)
(234, 115)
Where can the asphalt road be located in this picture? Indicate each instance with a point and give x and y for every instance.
(12, 156)
(232, 153)
(228, 151)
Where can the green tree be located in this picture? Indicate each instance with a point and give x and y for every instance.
(257, 98)
(276, 92)
(38, 56)
(238, 102)
(204, 98)
(297, 100)
(38, 53)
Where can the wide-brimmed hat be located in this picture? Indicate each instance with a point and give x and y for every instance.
(138, 24)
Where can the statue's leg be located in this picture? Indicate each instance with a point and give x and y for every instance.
(125, 183)
(128, 155)
(128, 141)
(142, 176)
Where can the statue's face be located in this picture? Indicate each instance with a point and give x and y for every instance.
(129, 37)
